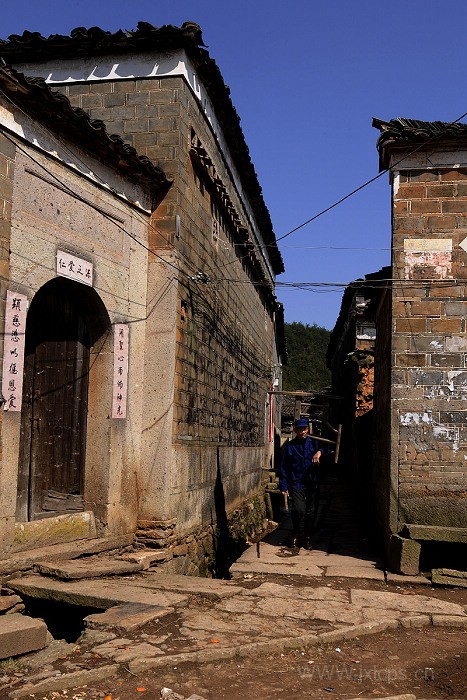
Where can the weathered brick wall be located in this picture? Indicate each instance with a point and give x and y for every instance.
(383, 486)
(429, 346)
(7, 159)
(225, 327)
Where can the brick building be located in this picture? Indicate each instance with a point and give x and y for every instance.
(199, 426)
(350, 357)
(420, 475)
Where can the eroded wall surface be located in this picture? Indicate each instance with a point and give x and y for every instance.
(54, 208)
(208, 387)
(429, 343)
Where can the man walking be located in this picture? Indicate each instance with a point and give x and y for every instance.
(299, 479)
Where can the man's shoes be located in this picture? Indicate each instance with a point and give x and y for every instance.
(307, 544)
(296, 542)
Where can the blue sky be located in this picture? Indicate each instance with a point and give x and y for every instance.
(306, 78)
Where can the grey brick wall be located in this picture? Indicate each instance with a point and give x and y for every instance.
(225, 328)
(429, 348)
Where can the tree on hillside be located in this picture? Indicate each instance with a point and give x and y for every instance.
(306, 349)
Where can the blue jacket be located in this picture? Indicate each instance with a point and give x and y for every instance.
(297, 471)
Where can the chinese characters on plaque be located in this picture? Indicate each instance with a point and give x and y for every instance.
(13, 350)
(120, 385)
(74, 268)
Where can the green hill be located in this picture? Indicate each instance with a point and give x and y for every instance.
(306, 348)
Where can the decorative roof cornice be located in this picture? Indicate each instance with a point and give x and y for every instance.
(53, 109)
(402, 132)
(33, 47)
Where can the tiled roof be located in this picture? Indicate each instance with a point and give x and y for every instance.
(54, 109)
(400, 131)
(32, 46)
(371, 287)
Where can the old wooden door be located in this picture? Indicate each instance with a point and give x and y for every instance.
(54, 405)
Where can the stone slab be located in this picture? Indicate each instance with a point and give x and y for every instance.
(416, 621)
(438, 534)
(291, 566)
(322, 593)
(54, 530)
(87, 568)
(146, 557)
(327, 611)
(441, 580)
(21, 561)
(48, 655)
(401, 578)
(20, 634)
(77, 679)
(449, 621)
(449, 577)
(124, 650)
(355, 572)
(9, 601)
(214, 589)
(452, 572)
(126, 617)
(94, 593)
(407, 696)
(273, 555)
(404, 603)
(404, 555)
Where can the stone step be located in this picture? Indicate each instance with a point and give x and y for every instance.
(146, 557)
(213, 589)
(20, 634)
(449, 577)
(88, 567)
(22, 561)
(126, 617)
(93, 593)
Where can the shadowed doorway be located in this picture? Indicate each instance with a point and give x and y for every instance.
(64, 320)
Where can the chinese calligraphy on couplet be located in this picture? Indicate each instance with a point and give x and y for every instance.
(120, 385)
(74, 268)
(13, 350)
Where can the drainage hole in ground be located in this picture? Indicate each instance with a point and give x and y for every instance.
(64, 621)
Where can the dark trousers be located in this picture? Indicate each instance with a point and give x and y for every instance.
(303, 511)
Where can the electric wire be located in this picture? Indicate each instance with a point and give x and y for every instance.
(370, 181)
(252, 358)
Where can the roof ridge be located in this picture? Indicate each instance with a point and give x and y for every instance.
(31, 47)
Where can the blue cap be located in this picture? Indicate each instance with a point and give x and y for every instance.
(301, 423)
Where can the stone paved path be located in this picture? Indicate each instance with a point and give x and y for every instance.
(152, 620)
(266, 618)
(341, 546)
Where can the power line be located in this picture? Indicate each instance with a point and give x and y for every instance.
(370, 181)
(105, 185)
(224, 333)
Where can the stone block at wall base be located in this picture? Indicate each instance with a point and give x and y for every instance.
(210, 550)
(54, 530)
(404, 555)
(448, 577)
